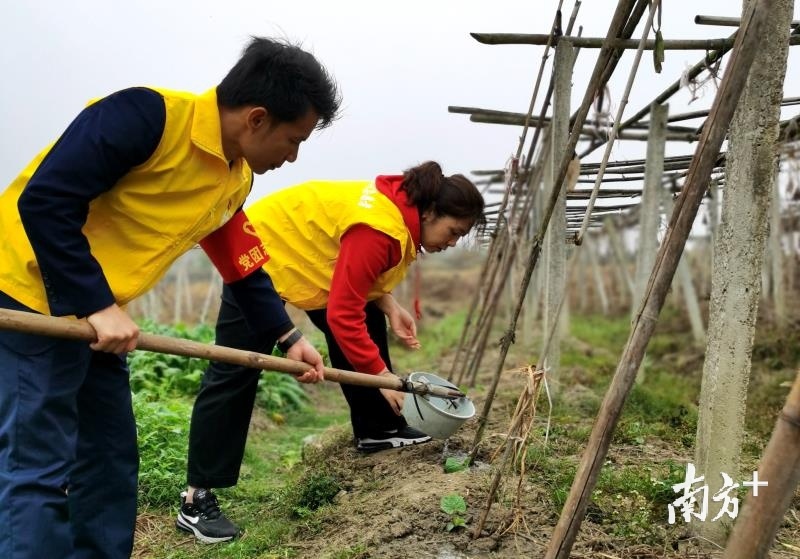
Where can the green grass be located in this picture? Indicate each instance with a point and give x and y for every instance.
(631, 497)
(629, 500)
(281, 500)
(632, 501)
(163, 435)
(275, 495)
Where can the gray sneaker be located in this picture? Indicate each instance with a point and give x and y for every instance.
(203, 518)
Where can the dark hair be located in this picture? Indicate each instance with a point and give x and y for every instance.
(282, 78)
(456, 196)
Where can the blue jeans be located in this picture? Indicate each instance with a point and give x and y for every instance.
(68, 454)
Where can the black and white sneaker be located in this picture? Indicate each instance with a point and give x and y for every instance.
(391, 439)
(203, 518)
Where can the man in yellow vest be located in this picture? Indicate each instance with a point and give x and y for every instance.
(94, 221)
(337, 249)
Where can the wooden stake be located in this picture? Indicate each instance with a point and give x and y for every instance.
(61, 327)
(763, 513)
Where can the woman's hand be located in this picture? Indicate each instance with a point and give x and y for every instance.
(400, 320)
(116, 331)
(394, 397)
(302, 350)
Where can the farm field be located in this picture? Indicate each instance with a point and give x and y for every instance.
(306, 492)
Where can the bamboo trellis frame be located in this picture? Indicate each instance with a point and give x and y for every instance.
(685, 166)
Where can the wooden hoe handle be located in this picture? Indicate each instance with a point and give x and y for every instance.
(60, 327)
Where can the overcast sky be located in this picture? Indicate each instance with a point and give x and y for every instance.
(399, 65)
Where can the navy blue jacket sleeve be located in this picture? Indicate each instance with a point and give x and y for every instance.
(262, 307)
(98, 148)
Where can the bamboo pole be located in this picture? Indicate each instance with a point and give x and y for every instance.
(501, 224)
(462, 350)
(596, 133)
(618, 21)
(726, 21)
(663, 97)
(615, 131)
(510, 234)
(555, 30)
(669, 254)
(692, 73)
(785, 102)
(597, 42)
(679, 163)
(494, 116)
(514, 439)
(485, 327)
(765, 507)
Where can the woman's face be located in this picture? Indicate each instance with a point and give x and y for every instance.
(442, 232)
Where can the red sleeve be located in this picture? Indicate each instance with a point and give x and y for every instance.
(235, 248)
(364, 255)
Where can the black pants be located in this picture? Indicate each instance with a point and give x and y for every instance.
(222, 410)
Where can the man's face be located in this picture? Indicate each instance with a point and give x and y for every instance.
(268, 144)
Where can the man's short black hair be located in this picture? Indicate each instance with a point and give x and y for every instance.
(282, 78)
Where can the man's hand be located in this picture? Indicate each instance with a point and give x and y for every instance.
(302, 350)
(400, 320)
(394, 397)
(116, 332)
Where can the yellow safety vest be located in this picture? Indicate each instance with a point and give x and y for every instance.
(152, 215)
(302, 227)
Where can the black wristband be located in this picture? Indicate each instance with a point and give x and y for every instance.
(289, 341)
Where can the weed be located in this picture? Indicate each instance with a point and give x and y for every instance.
(278, 392)
(454, 464)
(552, 472)
(630, 431)
(632, 500)
(314, 491)
(163, 432)
(158, 374)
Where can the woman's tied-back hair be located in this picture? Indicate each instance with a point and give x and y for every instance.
(282, 78)
(456, 196)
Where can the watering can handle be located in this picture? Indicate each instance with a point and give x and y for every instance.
(60, 327)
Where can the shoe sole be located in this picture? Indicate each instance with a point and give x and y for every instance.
(388, 444)
(182, 525)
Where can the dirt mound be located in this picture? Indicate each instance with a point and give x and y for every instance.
(389, 506)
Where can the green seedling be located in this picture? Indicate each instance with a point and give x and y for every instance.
(453, 464)
(454, 505)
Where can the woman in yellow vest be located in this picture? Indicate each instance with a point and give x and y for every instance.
(95, 220)
(337, 248)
